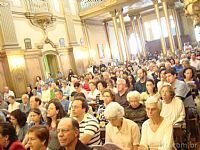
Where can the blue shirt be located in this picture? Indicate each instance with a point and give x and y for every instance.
(65, 104)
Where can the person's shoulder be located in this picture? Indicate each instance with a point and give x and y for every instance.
(81, 146)
(16, 145)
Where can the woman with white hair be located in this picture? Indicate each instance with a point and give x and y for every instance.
(157, 132)
(121, 131)
(135, 111)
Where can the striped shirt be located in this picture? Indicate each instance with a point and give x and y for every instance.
(90, 125)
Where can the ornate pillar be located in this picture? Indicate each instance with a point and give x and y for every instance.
(12, 56)
(162, 39)
(135, 35)
(178, 33)
(107, 36)
(171, 40)
(121, 20)
(86, 40)
(69, 25)
(138, 17)
(113, 13)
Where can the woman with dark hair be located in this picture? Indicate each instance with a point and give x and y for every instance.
(189, 79)
(55, 112)
(18, 119)
(162, 78)
(38, 138)
(131, 81)
(151, 90)
(39, 81)
(36, 118)
(9, 138)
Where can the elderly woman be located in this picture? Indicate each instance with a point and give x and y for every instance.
(121, 131)
(172, 107)
(157, 132)
(135, 111)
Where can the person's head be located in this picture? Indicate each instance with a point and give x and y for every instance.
(167, 93)
(141, 73)
(162, 74)
(101, 85)
(38, 78)
(59, 94)
(25, 98)
(18, 118)
(79, 107)
(68, 132)
(77, 87)
(38, 137)
(177, 62)
(133, 97)
(153, 107)
(108, 96)
(188, 73)
(185, 63)
(114, 113)
(35, 115)
(171, 76)
(6, 89)
(64, 84)
(35, 102)
(44, 87)
(193, 56)
(55, 110)
(150, 86)
(11, 99)
(29, 88)
(106, 76)
(92, 85)
(7, 134)
(121, 85)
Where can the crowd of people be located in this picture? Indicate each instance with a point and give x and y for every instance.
(136, 104)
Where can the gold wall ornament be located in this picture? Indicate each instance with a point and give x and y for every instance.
(192, 8)
(4, 4)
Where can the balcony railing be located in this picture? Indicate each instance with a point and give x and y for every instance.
(37, 6)
(85, 4)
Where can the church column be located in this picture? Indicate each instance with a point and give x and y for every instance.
(113, 13)
(107, 35)
(138, 17)
(171, 40)
(135, 34)
(162, 39)
(121, 20)
(178, 33)
(12, 55)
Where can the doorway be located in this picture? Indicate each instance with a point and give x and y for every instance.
(50, 65)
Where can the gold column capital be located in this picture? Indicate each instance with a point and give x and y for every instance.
(120, 11)
(113, 13)
(155, 2)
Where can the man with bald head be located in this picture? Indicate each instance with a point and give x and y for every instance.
(68, 135)
(7, 93)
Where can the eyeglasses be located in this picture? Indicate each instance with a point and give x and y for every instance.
(106, 96)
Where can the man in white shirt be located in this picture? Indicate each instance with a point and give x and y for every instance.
(194, 62)
(172, 107)
(13, 104)
(7, 93)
